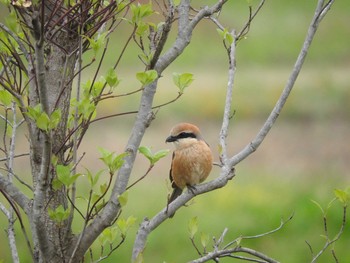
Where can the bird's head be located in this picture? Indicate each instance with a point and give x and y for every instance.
(184, 134)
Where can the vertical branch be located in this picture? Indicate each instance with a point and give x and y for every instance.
(75, 136)
(43, 177)
(228, 102)
(10, 159)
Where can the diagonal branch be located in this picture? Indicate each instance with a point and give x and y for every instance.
(320, 12)
(12, 191)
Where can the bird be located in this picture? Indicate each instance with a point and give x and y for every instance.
(192, 158)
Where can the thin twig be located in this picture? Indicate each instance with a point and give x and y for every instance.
(142, 177)
(335, 239)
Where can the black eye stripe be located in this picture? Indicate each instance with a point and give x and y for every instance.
(186, 135)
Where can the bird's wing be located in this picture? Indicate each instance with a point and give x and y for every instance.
(177, 190)
(171, 173)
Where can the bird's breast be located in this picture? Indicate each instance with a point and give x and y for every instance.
(191, 165)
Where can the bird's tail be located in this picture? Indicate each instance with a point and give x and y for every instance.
(176, 193)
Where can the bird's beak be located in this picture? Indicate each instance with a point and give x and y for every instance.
(171, 139)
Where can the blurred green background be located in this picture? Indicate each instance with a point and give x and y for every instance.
(305, 156)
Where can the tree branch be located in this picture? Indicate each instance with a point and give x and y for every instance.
(228, 102)
(43, 176)
(147, 226)
(229, 252)
(12, 191)
(185, 30)
(320, 12)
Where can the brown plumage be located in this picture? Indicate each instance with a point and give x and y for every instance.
(192, 158)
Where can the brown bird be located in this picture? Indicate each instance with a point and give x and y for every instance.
(192, 158)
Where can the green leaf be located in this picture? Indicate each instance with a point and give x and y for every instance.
(55, 119)
(54, 159)
(93, 178)
(5, 97)
(112, 78)
(142, 28)
(59, 214)
(193, 226)
(11, 21)
(97, 88)
(5, 2)
(182, 81)
(109, 235)
(153, 158)
(124, 225)
(97, 43)
(103, 188)
(111, 160)
(43, 121)
(176, 2)
(56, 184)
(34, 112)
(64, 175)
(123, 198)
(86, 108)
(342, 196)
(146, 152)
(140, 12)
(160, 154)
(204, 239)
(147, 77)
(225, 35)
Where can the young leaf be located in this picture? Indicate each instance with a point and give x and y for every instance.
(55, 119)
(5, 97)
(63, 174)
(123, 198)
(43, 121)
(34, 112)
(97, 87)
(56, 184)
(225, 35)
(182, 81)
(139, 12)
(193, 226)
(153, 158)
(204, 239)
(112, 78)
(146, 152)
(111, 160)
(124, 225)
(108, 235)
(147, 77)
(97, 43)
(93, 178)
(11, 21)
(159, 155)
(342, 196)
(59, 214)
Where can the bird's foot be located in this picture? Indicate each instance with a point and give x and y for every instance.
(192, 189)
